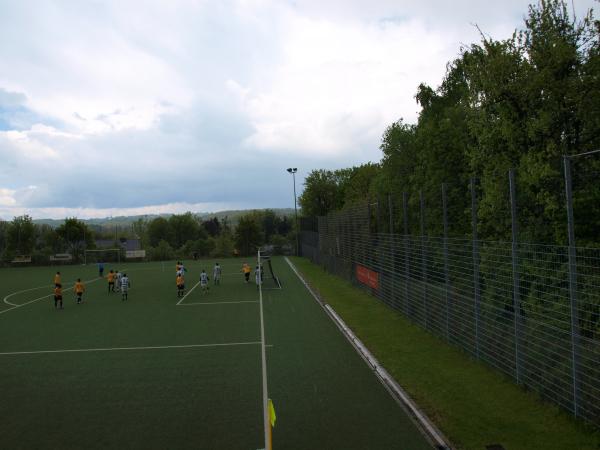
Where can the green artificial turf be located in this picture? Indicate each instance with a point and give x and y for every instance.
(472, 404)
(182, 395)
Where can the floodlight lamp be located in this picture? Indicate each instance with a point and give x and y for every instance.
(290, 170)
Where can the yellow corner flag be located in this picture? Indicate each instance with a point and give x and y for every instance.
(272, 416)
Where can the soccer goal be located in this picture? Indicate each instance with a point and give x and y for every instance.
(269, 279)
(102, 255)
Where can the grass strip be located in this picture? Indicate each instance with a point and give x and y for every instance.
(473, 405)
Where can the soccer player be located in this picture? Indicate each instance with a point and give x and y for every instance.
(100, 269)
(58, 296)
(180, 282)
(111, 281)
(204, 281)
(246, 269)
(258, 277)
(118, 277)
(124, 286)
(79, 289)
(217, 274)
(57, 279)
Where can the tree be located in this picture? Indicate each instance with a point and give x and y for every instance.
(162, 252)
(284, 226)
(322, 193)
(184, 227)
(247, 234)
(270, 222)
(21, 236)
(158, 230)
(3, 238)
(76, 235)
(212, 226)
(224, 245)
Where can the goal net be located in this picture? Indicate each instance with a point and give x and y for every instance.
(102, 255)
(269, 279)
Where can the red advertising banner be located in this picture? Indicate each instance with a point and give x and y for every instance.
(367, 276)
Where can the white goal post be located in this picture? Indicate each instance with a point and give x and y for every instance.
(102, 255)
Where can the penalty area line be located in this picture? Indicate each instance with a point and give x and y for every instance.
(217, 303)
(189, 292)
(115, 349)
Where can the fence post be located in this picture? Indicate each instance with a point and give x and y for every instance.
(446, 274)
(423, 257)
(572, 286)
(391, 213)
(378, 212)
(406, 248)
(392, 244)
(515, 271)
(476, 281)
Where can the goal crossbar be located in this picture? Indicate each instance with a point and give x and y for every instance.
(102, 250)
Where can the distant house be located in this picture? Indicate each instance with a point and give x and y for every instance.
(125, 244)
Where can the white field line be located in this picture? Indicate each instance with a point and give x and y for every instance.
(115, 349)
(217, 303)
(46, 296)
(267, 425)
(189, 292)
(5, 299)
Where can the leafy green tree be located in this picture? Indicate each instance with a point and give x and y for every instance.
(159, 229)
(162, 252)
(76, 235)
(3, 238)
(224, 245)
(357, 183)
(184, 227)
(270, 222)
(248, 235)
(322, 193)
(284, 226)
(212, 226)
(21, 236)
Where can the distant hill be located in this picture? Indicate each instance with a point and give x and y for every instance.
(126, 221)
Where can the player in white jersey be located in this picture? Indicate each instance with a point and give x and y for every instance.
(124, 286)
(258, 277)
(118, 277)
(217, 274)
(204, 281)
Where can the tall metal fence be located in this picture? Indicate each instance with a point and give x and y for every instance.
(531, 311)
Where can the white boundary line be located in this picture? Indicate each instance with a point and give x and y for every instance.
(5, 299)
(114, 349)
(46, 296)
(217, 303)
(263, 352)
(189, 292)
(392, 386)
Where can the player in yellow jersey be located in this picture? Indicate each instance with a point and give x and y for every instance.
(58, 296)
(79, 289)
(57, 279)
(246, 269)
(111, 281)
(180, 282)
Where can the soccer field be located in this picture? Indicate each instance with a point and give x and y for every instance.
(157, 372)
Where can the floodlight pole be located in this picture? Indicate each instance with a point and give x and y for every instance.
(293, 171)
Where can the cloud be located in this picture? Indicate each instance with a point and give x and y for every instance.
(108, 107)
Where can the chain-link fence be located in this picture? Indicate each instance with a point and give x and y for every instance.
(531, 311)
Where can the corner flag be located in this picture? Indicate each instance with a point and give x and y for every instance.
(272, 416)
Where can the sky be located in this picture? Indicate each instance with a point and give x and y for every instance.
(121, 107)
